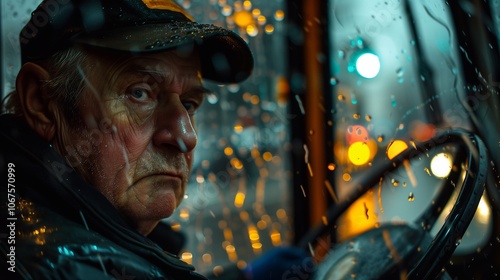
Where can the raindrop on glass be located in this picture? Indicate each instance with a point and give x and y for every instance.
(333, 81)
(341, 54)
(427, 170)
(354, 101)
(411, 197)
(400, 72)
(393, 101)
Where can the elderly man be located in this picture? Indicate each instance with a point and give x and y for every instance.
(98, 145)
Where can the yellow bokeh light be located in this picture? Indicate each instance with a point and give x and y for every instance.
(346, 177)
(228, 151)
(187, 257)
(483, 211)
(243, 19)
(239, 199)
(184, 214)
(279, 15)
(176, 226)
(276, 237)
(227, 10)
(254, 236)
(230, 249)
(257, 245)
(254, 99)
(358, 153)
(228, 234)
(256, 12)
(207, 258)
(281, 213)
(261, 20)
(269, 29)
(395, 148)
(236, 163)
(267, 156)
(441, 165)
(252, 30)
(331, 166)
(238, 128)
(247, 5)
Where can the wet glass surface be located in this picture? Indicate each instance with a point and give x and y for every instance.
(395, 81)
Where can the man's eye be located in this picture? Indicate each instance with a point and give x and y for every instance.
(190, 106)
(139, 94)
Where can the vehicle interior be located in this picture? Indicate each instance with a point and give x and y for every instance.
(368, 135)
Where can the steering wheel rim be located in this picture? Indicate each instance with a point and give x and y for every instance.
(448, 237)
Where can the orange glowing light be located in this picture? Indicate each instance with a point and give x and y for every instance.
(358, 153)
(238, 128)
(252, 30)
(184, 214)
(421, 131)
(267, 156)
(331, 166)
(346, 177)
(356, 133)
(269, 28)
(257, 245)
(187, 257)
(282, 87)
(239, 199)
(236, 163)
(279, 15)
(276, 237)
(395, 148)
(243, 18)
(359, 217)
(228, 151)
(228, 234)
(254, 99)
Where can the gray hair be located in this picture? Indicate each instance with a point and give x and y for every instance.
(66, 83)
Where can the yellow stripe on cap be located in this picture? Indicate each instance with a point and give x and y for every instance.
(168, 5)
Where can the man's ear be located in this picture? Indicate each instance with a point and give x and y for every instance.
(34, 99)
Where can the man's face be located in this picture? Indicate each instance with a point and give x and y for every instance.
(136, 134)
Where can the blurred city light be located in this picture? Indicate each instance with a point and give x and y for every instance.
(368, 65)
(395, 148)
(441, 165)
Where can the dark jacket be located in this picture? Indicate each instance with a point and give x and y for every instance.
(61, 227)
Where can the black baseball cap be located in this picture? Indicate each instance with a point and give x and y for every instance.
(134, 26)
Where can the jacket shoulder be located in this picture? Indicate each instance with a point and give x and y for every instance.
(49, 246)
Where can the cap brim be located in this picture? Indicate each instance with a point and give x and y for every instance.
(225, 56)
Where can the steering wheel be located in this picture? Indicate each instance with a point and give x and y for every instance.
(407, 251)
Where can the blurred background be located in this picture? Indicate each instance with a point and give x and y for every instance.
(338, 87)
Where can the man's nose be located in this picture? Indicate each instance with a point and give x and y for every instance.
(174, 127)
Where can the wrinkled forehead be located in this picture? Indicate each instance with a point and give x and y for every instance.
(108, 71)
